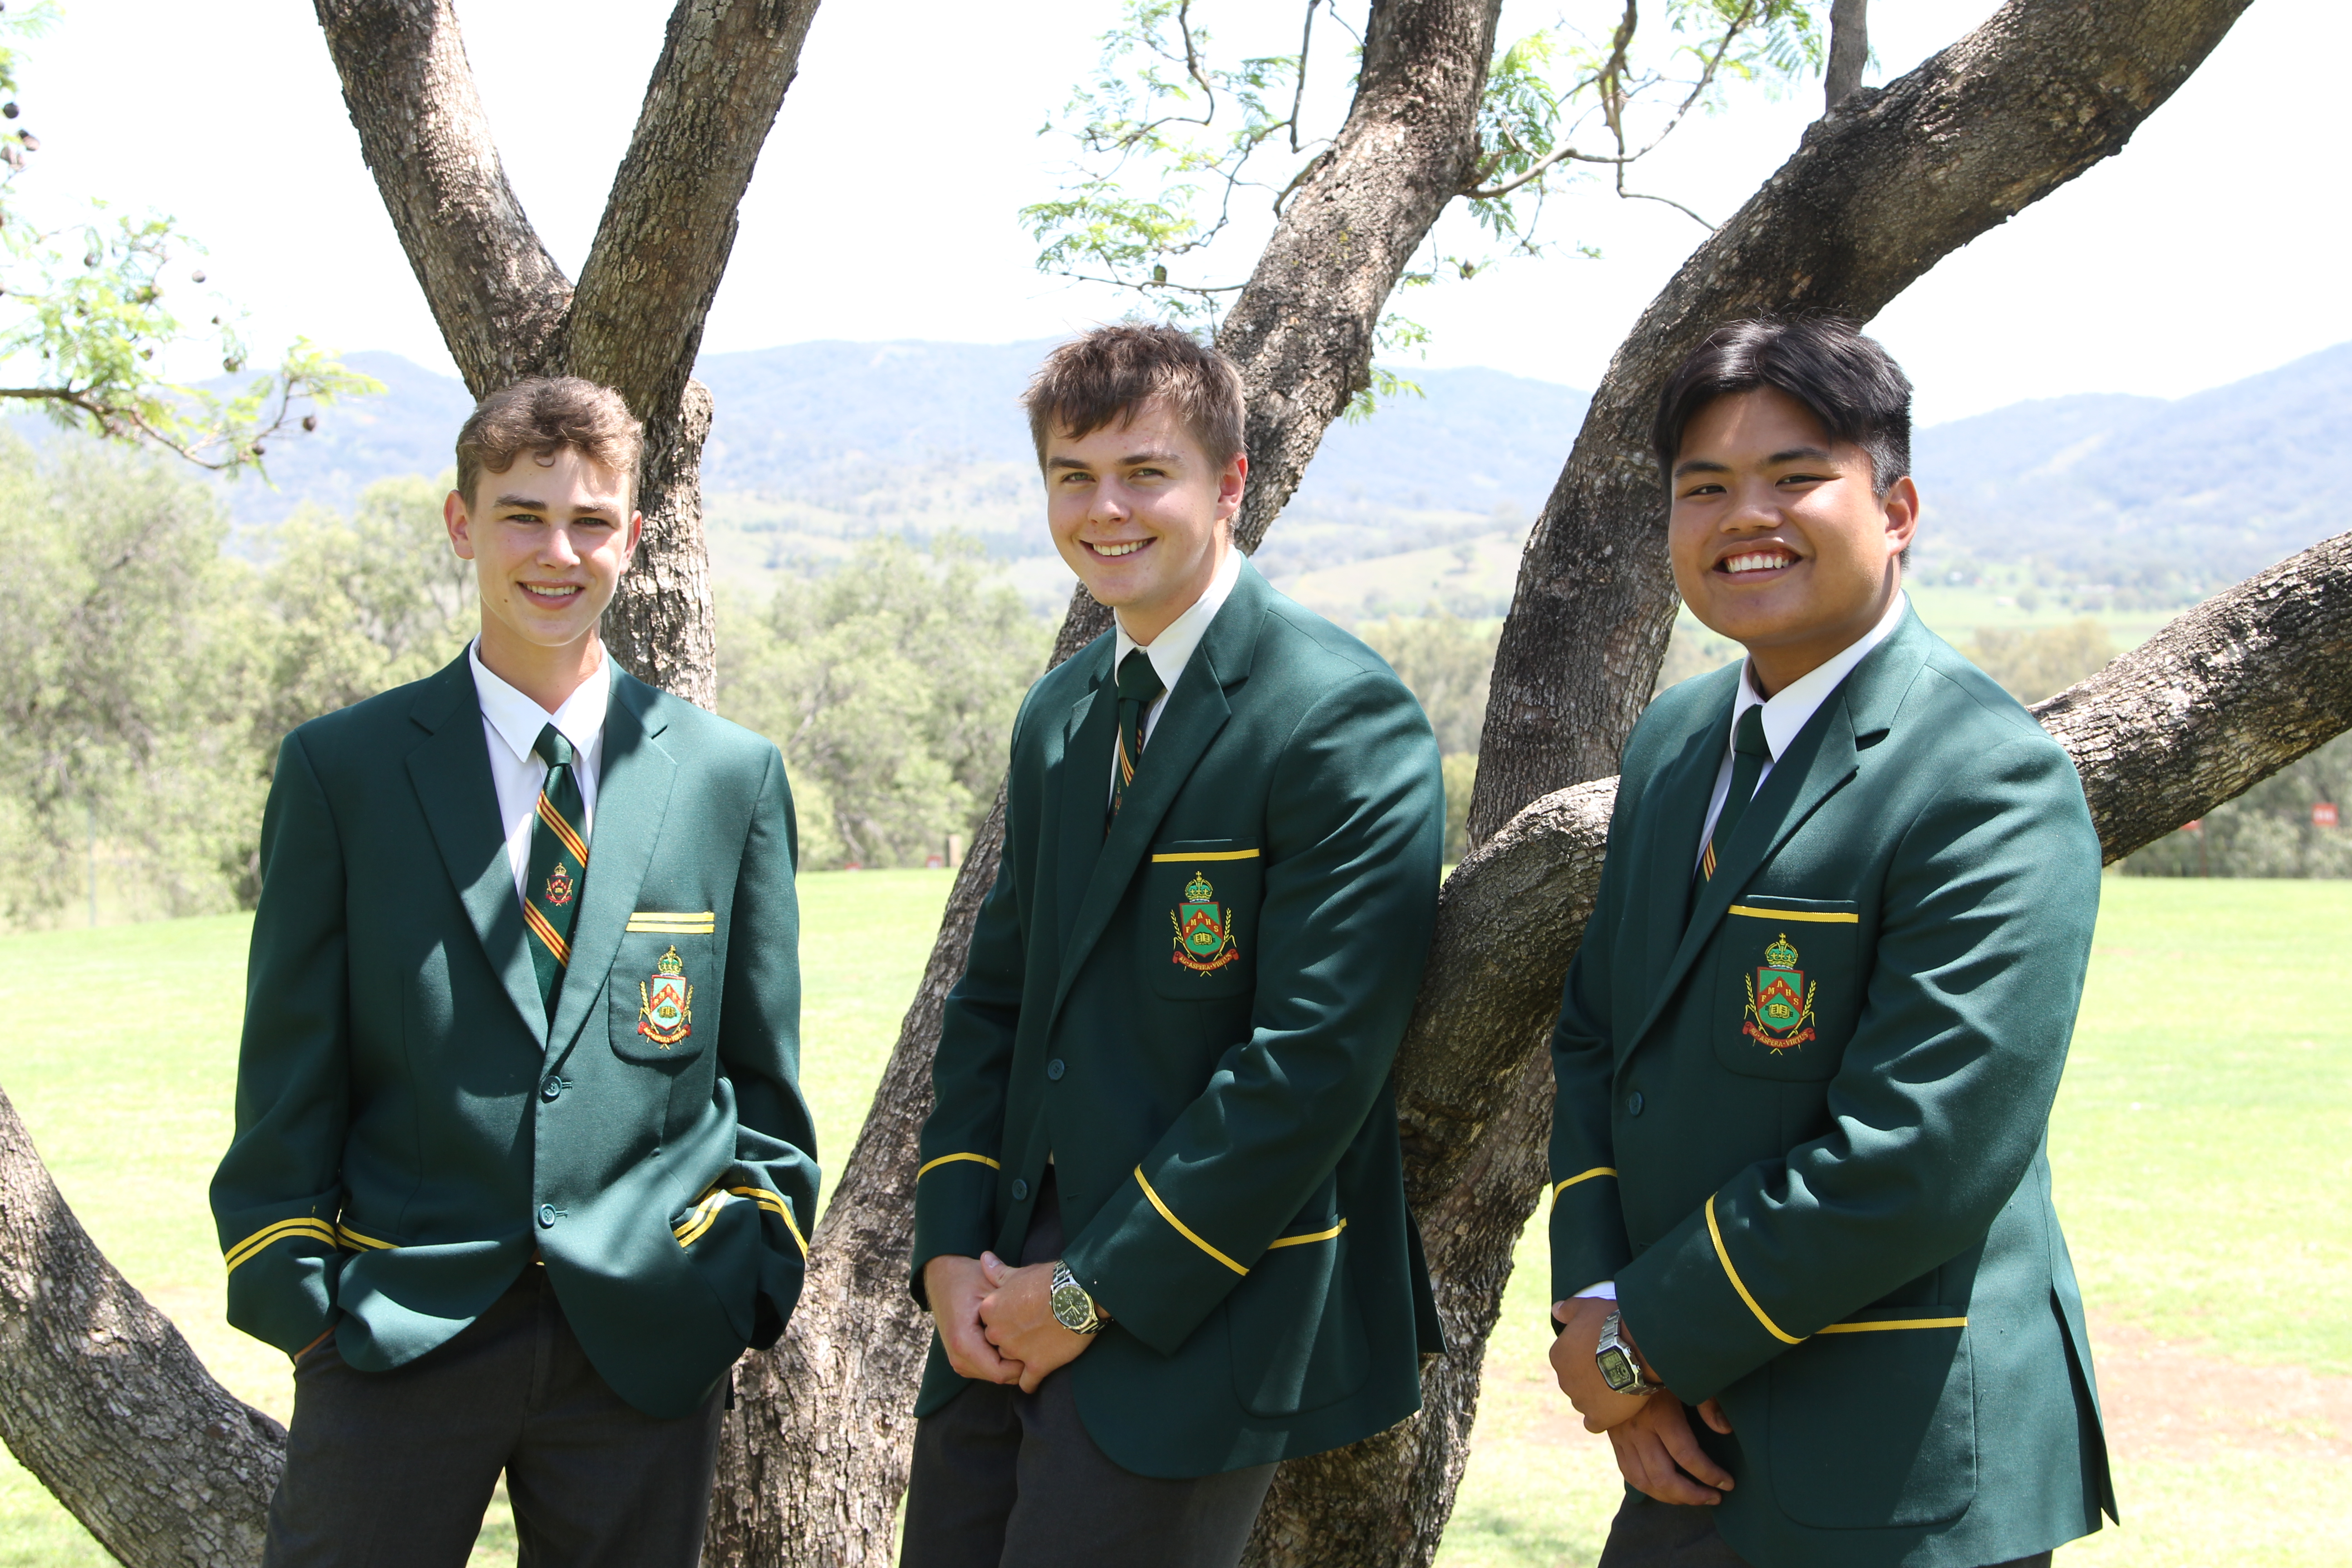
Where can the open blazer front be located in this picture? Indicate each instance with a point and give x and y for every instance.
(1195, 1016)
(1805, 1133)
(411, 1126)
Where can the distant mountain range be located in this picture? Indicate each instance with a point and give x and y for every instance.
(816, 445)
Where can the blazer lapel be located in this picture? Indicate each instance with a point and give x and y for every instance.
(634, 780)
(451, 772)
(1820, 761)
(1671, 847)
(1084, 792)
(1196, 710)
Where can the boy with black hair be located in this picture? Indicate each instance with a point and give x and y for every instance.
(1806, 1056)
(521, 1163)
(1159, 1220)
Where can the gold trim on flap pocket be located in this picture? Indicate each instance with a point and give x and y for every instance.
(1875, 1430)
(700, 922)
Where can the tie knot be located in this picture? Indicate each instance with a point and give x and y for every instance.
(1138, 682)
(1747, 735)
(552, 748)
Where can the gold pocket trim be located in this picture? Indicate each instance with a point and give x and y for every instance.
(700, 922)
(1207, 855)
(1891, 1323)
(1818, 917)
(1303, 1240)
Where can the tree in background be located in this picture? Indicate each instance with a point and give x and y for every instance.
(87, 305)
(1446, 662)
(890, 687)
(2272, 831)
(2034, 663)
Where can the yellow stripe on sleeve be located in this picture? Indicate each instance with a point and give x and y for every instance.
(284, 1230)
(1821, 917)
(353, 1238)
(1560, 1188)
(1716, 1232)
(780, 1208)
(929, 1165)
(1181, 1228)
(1303, 1240)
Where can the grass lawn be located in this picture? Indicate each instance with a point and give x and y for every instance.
(2205, 1126)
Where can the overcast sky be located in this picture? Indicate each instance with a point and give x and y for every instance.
(884, 207)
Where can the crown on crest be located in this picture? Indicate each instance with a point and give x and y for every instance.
(669, 962)
(1781, 955)
(1198, 890)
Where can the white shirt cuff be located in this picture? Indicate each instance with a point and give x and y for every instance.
(1606, 1290)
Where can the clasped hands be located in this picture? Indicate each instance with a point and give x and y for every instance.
(997, 1321)
(1656, 1450)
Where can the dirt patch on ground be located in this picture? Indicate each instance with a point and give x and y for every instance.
(2179, 1399)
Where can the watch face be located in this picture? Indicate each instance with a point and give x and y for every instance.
(1617, 1369)
(1070, 1304)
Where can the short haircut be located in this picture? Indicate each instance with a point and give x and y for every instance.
(1104, 377)
(1852, 384)
(542, 415)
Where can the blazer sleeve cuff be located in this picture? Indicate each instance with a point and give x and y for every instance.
(955, 1210)
(1694, 1311)
(1157, 1275)
(1587, 1230)
(282, 1282)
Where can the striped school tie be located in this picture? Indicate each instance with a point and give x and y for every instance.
(1749, 753)
(1139, 687)
(559, 864)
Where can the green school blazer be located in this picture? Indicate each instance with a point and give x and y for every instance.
(1805, 1131)
(1195, 1017)
(411, 1128)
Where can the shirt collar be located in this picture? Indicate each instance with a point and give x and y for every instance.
(1788, 709)
(517, 719)
(1171, 650)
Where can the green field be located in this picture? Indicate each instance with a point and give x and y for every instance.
(2204, 1130)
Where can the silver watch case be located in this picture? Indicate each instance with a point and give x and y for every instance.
(1618, 1368)
(1073, 1307)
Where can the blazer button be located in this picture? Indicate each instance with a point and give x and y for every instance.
(1020, 1190)
(546, 1216)
(1633, 1103)
(1054, 1070)
(552, 1087)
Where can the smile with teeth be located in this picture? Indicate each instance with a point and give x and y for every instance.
(1758, 561)
(1127, 548)
(552, 592)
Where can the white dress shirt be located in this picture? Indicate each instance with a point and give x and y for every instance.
(510, 726)
(1171, 650)
(1785, 712)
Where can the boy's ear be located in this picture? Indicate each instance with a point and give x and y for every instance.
(637, 532)
(1902, 508)
(460, 525)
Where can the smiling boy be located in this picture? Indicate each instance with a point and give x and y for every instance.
(1806, 1055)
(1160, 1221)
(520, 1164)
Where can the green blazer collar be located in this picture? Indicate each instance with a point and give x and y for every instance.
(451, 772)
(1196, 710)
(1825, 754)
(634, 780)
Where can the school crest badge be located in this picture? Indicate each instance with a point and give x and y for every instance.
(1780, 1003)
(666, 1002)
(1204, 929)
(559, 886)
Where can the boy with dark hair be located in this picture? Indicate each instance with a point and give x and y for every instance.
(520, 1163)
(1806, 1056)
(1160, 1221)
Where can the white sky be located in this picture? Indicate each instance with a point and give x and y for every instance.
(884, 202)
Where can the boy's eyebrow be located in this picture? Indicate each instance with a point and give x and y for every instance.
(529, 503)
(1128, 461)
(1799, 455)
(526, 503)
(1700, 466)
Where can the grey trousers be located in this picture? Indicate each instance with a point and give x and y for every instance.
(395, 1469)
(1007, 1479)
(1648, 1533)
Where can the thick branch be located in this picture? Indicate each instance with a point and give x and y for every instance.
(1849, 51)
(497, 295)
(669, 223)
(1878, 193)
(104, 1402)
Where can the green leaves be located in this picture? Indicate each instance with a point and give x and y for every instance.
(88, 321)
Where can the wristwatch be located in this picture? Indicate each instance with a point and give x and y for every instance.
(1073, 1307)
(1614, 1357)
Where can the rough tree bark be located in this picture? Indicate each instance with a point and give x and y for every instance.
(635, 323)
(104, 1401)
(1881, 189)
(814, 1460)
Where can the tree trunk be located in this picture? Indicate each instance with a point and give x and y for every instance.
(1849, 51)
(634, 324)
(812, 1470)
(1876, 195)
(105, 1403)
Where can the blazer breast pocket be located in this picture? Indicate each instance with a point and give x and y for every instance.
(1788, 987)
(659, 975)
(1199, 917)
